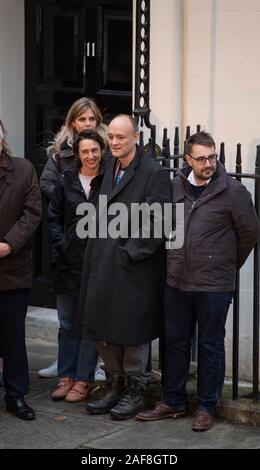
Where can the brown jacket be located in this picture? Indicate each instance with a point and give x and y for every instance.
(20, 214)
(221, 228)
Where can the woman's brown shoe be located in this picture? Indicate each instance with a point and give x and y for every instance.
(63, 387)
(79, 391)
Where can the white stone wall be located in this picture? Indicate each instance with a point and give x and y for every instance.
(205, 69)
(12, 72)
(222, 72)
(166, 44)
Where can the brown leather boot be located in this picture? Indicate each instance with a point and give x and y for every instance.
(111, 397)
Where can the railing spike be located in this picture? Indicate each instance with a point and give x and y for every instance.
(167, 148)
(164, 136)
(222, 156)
(141, 141)
(185, 147)
(257, 160)
(176, 141)
(238, 162)
(239, 156)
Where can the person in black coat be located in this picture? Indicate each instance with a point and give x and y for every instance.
(20, 215)
(77, 357)
(82, 115)
(123, 274)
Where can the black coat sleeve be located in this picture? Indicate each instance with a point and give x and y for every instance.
(158, 192)
(23, 229)
(49, 178)
(56, 213)
(246, 223)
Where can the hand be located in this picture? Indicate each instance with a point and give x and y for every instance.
(5, 249)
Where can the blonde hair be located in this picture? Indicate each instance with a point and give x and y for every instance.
(5, 146)
(67, 132)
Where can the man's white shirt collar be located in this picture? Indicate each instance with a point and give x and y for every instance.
(192, 181)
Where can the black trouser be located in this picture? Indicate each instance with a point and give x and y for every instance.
(13, 309)
(181, 310)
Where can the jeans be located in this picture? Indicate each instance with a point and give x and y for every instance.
(77, 357)
(182, 310)
(13, 309)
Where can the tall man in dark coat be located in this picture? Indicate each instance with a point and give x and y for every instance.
(20, 214)
(221, 228)
(123, 274)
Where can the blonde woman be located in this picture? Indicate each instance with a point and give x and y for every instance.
(82, 115)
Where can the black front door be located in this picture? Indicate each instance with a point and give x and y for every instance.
(74, 48)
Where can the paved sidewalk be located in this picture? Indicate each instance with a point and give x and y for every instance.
(61, 425)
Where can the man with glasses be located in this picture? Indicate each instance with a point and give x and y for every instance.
(221, 228)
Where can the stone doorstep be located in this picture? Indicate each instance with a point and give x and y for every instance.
(241, 411)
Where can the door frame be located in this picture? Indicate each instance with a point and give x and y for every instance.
(43, 293)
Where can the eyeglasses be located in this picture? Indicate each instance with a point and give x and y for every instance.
(202, 160)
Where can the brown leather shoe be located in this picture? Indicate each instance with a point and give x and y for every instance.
(79, 391)
(160, 411)
(63, 387)
(203, 420)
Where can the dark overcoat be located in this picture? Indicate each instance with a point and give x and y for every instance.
(123, 277)
(67, 248)
(20, 215)
(221, 229)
